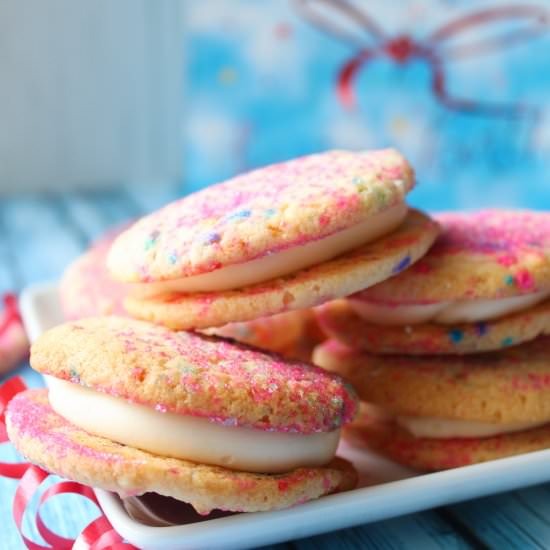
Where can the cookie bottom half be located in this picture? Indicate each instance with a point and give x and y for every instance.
(428, 454)
(53, 443)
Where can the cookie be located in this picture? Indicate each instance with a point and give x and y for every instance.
(192, 374)
(126, 399)
(433, 413)
(47, 439)
(429, 454)
(502, 387)
(260, 214)
(86, 288)
(479, 255)
(312, 335)
(344, 275)
(340, 321)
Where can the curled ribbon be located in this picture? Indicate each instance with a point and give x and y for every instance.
(341, 19)
(97, 535)
(14, 344)
(11, 312)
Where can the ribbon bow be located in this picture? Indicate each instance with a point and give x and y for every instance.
(436, 50)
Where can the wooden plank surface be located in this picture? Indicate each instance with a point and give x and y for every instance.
(426, 531)
(42, 233)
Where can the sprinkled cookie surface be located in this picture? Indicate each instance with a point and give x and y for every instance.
(340, 322)
(507, 386)
(348, 273)
(441, 454)
(48, 440)
(486, 254)
(194, 375)
(87, 289)
(261, 212)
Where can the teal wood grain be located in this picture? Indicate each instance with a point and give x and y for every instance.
(426, 531)
(519, 519)
(93, 213)
(41, 244)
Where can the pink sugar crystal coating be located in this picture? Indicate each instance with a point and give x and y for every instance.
(472, 246)
(439, 454)
(87, 289)
(500, 233)
(32, 419)
(258, 213)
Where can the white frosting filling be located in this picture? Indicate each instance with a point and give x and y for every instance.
(462, 311)
(187, 437)
(442, 428)
(284, 261)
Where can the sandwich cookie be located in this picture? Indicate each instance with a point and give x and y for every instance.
(478, 289)
(434, 413)
(86, 288)
(307, 288)
(288, 236)
(127, 398)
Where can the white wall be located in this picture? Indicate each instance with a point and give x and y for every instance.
(90, 92)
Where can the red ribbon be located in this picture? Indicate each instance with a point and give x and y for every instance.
(11, 312)
(435, 50)
(97, 535)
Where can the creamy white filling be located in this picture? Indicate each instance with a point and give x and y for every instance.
(187, 437)
(442, 428)
(282, 262)
(462, 311)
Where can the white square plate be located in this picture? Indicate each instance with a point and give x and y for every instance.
(385, 490)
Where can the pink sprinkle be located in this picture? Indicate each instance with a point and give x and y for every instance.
(421, 267)
(324, 220)
(283, 485)
(524, 280)
(507, 260)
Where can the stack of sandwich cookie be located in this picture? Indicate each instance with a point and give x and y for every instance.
(483, 289)
(286, 237)
(127, 399)
(437, 412)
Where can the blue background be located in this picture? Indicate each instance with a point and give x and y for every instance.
(261, 87)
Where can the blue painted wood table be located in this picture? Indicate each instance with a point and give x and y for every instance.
(40, 234)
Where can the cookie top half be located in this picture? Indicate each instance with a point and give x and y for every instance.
(485, 254)
(192, 374)
(261, 212)
(348, 273)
